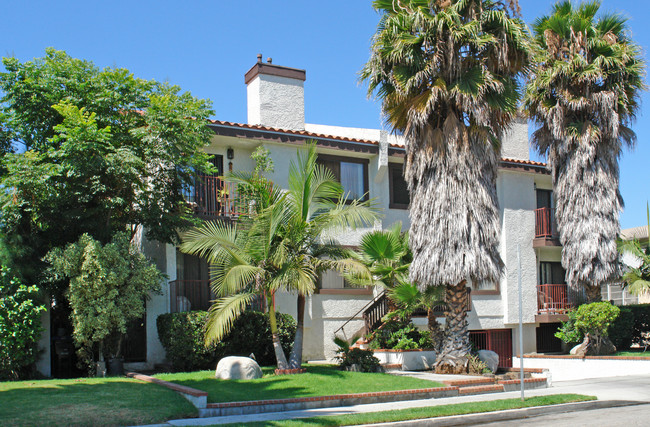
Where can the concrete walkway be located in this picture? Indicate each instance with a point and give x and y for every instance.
(635, 388)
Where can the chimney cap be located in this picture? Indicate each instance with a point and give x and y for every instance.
(271, 69)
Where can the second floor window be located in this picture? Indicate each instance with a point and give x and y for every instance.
(399, 193)
(350, 172)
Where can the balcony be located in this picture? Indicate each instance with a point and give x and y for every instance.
(212, 196)
(546, 233)
(555, 301)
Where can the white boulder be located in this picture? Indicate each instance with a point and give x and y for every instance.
(490, 358)
(238, 368)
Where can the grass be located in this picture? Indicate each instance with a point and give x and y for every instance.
(428, 412)
(89, 401)
(633, 354)
(317, 381)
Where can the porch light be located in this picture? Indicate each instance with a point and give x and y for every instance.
(230, 153)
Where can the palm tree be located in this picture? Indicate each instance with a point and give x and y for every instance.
(387, 256)
(282, 246)
(246, 263)
(584, 94)
(446, 72)
(637, 277)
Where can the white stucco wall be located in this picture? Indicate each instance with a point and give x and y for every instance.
(563, 369)
(517, 200)
(515, 141)
(276, 101)
(43, 364)
(164, 256)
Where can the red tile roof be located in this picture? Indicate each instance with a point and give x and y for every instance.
(342, 138)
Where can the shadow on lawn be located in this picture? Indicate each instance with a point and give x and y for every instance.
(89, 401)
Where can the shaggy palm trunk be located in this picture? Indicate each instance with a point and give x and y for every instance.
(588, 203)
(277, 345)
(435, 329)
(295, 359)
(455, 226)
(452, 358)
(594, 294)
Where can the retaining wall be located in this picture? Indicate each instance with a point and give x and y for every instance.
(566, 368)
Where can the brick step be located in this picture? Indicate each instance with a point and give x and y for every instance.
(470, 382)
(392, 366)
(481, 389)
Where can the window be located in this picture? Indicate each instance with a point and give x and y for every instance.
(544, 199)
(331, 282)
(551, 273)
(350, 172)
(399, 194)
(485, 287)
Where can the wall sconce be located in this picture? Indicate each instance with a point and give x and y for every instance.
(230, 153)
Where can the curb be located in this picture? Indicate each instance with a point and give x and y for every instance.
(512, 414)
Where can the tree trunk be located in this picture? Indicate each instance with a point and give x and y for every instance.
(295, 359)
(435, 329)
(277, 346)
(593, 293)
(453, 357)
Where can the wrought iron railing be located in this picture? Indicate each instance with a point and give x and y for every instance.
(558, 299)
(545, 224)
(212, 196)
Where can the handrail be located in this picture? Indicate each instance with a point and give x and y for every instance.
(374, 300)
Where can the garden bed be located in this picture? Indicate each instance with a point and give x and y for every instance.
(317, 381)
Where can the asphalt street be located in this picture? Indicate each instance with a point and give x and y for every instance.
(628, 416)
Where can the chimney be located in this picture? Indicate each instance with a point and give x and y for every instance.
(275, 95)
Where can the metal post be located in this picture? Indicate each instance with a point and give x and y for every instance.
(521, 323)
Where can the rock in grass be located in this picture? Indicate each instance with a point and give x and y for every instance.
(490, 358)
(238, 368)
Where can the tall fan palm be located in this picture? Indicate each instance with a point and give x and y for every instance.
(446, 72)
(583, 95)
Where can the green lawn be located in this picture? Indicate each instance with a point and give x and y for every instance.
(89, 401)
(632, 353)
(317, 381)
(428, 412)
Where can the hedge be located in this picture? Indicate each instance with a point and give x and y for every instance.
(183, 338)
(630, 326)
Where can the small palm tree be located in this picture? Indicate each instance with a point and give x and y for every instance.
(637, 278)
(447, 74)
(282, 246)
(584, 94)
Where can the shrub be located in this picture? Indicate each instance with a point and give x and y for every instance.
(621, 331)
(363, 359)
(108, 286)
(399, 334)
(641, 313)
(20, 326)
(183, 337)
(594, 319)
(477, 366)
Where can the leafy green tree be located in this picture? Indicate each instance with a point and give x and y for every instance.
(20, 326)
(284, 247)
(590, 322)
(584, 94)
(108, 286)
(447, 74)
(100, 151)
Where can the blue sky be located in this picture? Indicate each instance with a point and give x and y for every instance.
(206, 47)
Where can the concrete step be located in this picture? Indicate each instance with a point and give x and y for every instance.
(481, 389)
